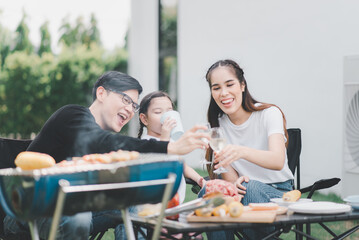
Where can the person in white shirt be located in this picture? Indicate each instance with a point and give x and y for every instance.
(152, 107)
(255, 154)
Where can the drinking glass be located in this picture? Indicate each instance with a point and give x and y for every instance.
(217, 143)
(208, 130)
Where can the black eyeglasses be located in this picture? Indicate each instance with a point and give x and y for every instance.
(126, 99)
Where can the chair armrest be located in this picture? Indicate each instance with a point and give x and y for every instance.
(190, 181)
(195, 187)
(320, 184)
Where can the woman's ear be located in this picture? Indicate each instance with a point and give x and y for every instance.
(143, 119)
(243, 87)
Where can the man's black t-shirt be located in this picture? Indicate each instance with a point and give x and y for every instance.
(73, 132)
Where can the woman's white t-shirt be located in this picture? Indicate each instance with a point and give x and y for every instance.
(254, 133)
(182, 187)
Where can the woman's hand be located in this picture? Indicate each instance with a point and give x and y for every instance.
(189, 141)
(229, 154)
(167, 126)
(238, 184)
(201, 181)
(273, 158)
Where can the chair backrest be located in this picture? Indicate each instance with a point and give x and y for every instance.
(9, 149)
(294, 149)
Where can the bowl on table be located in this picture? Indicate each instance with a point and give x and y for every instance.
(353, 201)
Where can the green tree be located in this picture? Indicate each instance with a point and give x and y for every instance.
(117, 60)
(92, 35)
(33, 86)
(5, 44)
(168, 50)
(71, 36)
(168, 32)
(45, 44)
(66, 32)
(22, 40)
(76, 71)
(80, 33)
(24, 93)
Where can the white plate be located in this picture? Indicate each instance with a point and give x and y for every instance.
(320, 207)
(280, 201)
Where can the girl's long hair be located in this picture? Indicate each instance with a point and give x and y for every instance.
(145, 104)
(248, 103)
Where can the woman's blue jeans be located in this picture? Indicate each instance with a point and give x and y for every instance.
(257, 192)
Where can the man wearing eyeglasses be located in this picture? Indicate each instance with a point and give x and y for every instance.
(74, 131)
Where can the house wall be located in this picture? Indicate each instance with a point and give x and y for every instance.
(143, 49)
(292, 54)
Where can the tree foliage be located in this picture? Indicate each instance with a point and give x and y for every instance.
(5, 44)
(33, 86)
(168, 51)
(93, 33)
(168, 31)
(79, 34)
(22, 39)
(24, 93)
(75, 74)
(45, 44)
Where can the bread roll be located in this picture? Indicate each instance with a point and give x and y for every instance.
(292, 196)
(34, 160)
(235, 209)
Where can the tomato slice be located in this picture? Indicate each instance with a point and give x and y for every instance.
(173, 203)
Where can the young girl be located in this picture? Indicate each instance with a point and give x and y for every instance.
(255, 156)
(152, 106)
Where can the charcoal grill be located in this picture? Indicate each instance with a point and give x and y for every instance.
(28, 195)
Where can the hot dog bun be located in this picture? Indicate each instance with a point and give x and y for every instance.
(34, 160)
(292, 196)
(263, 206)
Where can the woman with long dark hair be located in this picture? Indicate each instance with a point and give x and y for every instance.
(255, 154)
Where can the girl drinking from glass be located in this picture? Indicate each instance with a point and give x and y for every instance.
(152, 107)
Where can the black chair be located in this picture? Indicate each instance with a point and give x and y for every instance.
(9, 149)
(294, 149)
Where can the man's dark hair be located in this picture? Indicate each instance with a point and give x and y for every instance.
(117, 81)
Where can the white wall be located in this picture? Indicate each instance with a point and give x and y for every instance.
(292, 55)
(143, 48)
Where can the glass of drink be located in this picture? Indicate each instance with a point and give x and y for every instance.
(217, 143)
(208, 130)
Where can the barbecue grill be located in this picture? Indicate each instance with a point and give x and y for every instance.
(28, 195)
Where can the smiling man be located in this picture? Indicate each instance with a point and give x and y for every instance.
(74, 131)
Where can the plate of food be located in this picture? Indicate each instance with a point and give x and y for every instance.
(283, 203)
